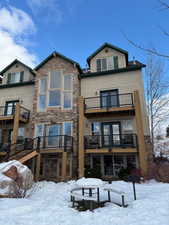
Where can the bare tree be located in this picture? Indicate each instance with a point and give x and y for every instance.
(163, 6)
(157, 88)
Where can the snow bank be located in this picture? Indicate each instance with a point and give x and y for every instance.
(50, 205)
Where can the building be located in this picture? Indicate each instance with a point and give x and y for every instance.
(66, 120)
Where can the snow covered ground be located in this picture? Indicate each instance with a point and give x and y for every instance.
(50, 204)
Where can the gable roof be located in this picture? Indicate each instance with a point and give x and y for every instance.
(60, 55)
(109, 46)
(13, 63)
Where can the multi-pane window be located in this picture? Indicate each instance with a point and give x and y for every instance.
(15, 77)
(55, 89)
(42, 94)
(108, 63)
(67, 92)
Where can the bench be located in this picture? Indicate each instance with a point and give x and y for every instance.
(121, 193)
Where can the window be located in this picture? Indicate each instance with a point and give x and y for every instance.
(96, 128)
(42, 94)
(55, 98)
(55, 89)
(15, 77)
(39, 130)
(127, 125)
(57, 92)
(67, 93)
(10, 107)
(21, 131)
(53, 135)
(109, 98)
(67, 128)
(108, 63)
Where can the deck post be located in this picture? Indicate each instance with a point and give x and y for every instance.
(38, 162)
(16, 123)
(140, 134)
(81, 137)
(64, 165)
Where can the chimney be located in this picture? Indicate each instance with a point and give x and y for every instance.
(134, 61)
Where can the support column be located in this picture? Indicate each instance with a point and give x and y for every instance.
(38, 162)
(140, 134)
(64, 165)
(81, 137)
(16, 123)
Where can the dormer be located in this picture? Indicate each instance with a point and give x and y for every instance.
(107, 57)
(16, 73)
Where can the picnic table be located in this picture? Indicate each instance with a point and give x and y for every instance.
(88, 190)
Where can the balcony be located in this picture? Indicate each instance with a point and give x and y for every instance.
(8, 113)
(109, 104)
(45, 144)
(60, 143)
(110, 143)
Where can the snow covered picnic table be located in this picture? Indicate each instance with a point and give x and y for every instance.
(88, 189)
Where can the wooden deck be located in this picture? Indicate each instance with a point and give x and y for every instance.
(113, 150)
(109, 110)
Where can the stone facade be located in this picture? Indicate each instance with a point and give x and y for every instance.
(57, 114)
(54, 115)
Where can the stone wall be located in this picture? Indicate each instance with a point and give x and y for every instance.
(57, 114)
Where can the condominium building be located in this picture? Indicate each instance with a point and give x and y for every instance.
(63, 121)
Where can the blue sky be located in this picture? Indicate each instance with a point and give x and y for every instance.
(76, 28)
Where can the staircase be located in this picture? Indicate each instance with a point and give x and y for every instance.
(20, 152)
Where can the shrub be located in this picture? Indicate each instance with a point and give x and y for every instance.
(93, 172)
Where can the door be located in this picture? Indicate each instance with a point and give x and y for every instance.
(111, 134)
(10, 107)
(109, 98)
(54, 138)
(50, 166)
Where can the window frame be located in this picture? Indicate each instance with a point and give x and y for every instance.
(67, 91)
(43, 129)
(9, 77)
(63, 127)
(40, 94)
(54, 89)
(108, 66)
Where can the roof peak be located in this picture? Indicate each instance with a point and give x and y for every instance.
(106, 44)
(13, 63)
